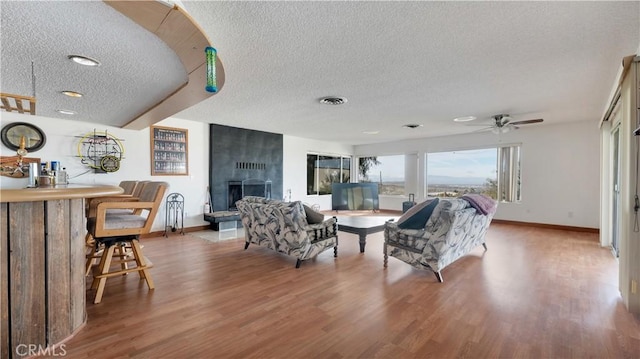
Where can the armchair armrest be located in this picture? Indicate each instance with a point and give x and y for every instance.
(319, 231)
(414, 240)
(134, 224)
(392, 227)
(122, 195)
(92, 203)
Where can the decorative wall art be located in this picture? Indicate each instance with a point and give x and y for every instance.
(17, 166)
(101, 151)
(169, 151)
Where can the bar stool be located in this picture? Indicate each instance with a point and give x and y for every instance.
(124, 230)
(94, 249)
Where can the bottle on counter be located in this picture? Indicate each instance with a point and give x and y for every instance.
(33, 175)
(62, 177)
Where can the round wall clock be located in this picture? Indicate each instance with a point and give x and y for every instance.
(13, 133)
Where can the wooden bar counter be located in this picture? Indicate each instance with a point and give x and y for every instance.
(42, 255)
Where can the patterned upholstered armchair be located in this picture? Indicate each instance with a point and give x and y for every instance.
(454, 229)
(283, 227)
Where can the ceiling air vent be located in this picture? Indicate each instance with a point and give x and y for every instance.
(333, 100)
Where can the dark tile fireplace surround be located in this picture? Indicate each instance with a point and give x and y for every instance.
(243, 162)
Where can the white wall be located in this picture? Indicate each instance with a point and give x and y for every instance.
(560, 170)
(560, 165)
(63, 137)
(295, 167)
(61, 145)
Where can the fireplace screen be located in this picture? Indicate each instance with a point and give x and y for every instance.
(249, 187)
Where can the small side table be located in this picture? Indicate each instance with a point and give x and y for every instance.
(174, 210)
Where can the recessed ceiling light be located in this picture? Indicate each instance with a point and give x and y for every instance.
(465, 119)
(83, 60)
(412, 125)
(66, 112)
(371, 132)
(332, 100)
(72, 93)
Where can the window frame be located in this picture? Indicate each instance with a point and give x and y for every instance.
(315, 172)
(404, 169)
(515, 179)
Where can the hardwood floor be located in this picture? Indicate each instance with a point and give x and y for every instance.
(536, 293)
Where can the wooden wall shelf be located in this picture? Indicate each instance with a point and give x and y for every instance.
(169, 151)
(17, 103)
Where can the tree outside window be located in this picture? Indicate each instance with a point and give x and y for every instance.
(387, 171)
(324, 170)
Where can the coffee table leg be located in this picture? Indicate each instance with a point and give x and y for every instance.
(363, 241)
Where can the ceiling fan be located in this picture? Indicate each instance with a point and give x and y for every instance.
(504, 123)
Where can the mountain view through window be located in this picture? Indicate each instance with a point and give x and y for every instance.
(452, 174)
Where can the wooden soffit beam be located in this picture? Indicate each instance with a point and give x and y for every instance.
(183, 35)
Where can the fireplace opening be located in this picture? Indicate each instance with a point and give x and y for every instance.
(249, 187)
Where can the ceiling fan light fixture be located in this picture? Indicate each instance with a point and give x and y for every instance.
(464, 119)
(84, 60)
(503, 129)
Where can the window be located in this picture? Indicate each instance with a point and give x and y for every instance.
(387, 171)
(324, 170)
(509, 173)
(494, 172)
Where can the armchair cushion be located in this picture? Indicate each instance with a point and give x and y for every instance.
(313, 217)
(416, 217)
(118, 222)
(444, 208)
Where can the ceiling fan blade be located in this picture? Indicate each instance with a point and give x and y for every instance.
(504, 120)
(480, 124)
(483, 129)
(526, 122)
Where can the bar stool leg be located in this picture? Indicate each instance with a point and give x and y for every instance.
(105, 263)
(122, 254)
(142, 263)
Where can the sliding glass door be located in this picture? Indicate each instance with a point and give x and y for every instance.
(616, 222)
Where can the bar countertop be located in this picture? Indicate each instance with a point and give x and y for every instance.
(68, 191)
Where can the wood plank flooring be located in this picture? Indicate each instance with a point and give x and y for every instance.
(536, 293)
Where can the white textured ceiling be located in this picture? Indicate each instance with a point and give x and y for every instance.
(395, 62)
(137, 69)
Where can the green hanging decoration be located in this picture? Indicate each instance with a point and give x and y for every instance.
(211, 69)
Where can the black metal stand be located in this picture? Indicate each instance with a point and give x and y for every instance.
(174, 210)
